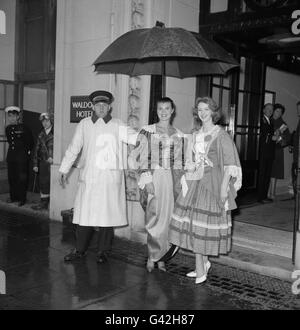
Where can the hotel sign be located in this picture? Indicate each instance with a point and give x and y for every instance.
(81, 107)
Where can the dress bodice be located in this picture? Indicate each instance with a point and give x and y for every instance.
(201, 146)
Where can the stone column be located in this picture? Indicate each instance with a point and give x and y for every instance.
(138, 110)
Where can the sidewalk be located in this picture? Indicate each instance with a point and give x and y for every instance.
(32, 251)
(256, 246)
(32, 199)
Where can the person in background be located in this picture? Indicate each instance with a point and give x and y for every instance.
(266, 153)
(295, 151)
(100, 203)
(282, 139)
(43, 159)
(20, 140)
(201, 221)
(159, 157)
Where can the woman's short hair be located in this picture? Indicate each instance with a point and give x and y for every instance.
(166, 100)
(279, 106)
(215, 109)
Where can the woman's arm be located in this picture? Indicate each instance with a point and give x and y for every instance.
(232, 171)
(225, 185)
(73, 150)
(140, 160)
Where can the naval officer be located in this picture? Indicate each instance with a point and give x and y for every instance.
(20, 141)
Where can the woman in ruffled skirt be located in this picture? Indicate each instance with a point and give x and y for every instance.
(201, 221)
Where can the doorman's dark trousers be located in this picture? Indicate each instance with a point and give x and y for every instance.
(85, 234)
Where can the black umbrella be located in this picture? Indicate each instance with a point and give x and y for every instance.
(173, 52)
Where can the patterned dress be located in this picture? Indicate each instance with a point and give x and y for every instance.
(159, 160)
(200, 222)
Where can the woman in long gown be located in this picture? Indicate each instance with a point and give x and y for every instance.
(158, 156)
(201, 221)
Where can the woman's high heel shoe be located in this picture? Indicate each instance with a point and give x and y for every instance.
(150, 265)
(194, 274)
(201, 279)
(207, 266)
(161, 266)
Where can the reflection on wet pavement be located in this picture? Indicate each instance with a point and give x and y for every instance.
(31, 254)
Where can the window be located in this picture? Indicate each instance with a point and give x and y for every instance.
(217, 6)
(36, 35)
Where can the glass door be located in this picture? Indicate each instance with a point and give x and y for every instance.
(9, 95)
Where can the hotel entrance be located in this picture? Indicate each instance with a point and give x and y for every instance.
(259, 37)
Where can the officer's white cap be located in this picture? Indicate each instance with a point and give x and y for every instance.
(12, 108)
(45, 115)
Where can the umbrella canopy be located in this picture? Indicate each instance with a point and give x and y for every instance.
(173, 52)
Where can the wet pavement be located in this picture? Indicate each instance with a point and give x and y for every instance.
(31, 254)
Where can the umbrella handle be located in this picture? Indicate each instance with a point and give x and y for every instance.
(163, 78)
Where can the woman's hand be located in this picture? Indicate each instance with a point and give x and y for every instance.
(276, 135)
(190, 167)
(150, 188)
(223, 195)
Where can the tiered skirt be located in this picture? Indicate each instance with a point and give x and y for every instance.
(200, 223)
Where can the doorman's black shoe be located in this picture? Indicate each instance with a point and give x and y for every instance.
(74, 255)
(270, 200)
(102, 258)
(260, 201)
(21, 203)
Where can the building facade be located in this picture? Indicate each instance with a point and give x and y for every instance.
(46, 57)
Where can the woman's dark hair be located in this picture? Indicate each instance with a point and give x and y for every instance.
(173, 106)
(216, 113)
(279, 106)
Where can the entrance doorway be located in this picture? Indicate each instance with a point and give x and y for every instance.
(258, 36)
(36, 98)
(9, 95)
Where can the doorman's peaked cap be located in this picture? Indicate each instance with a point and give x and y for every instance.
(101, 96)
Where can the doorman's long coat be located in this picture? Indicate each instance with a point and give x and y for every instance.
(100, 199)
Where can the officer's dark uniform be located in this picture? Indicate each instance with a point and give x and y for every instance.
(266, 157)
(20, 142)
